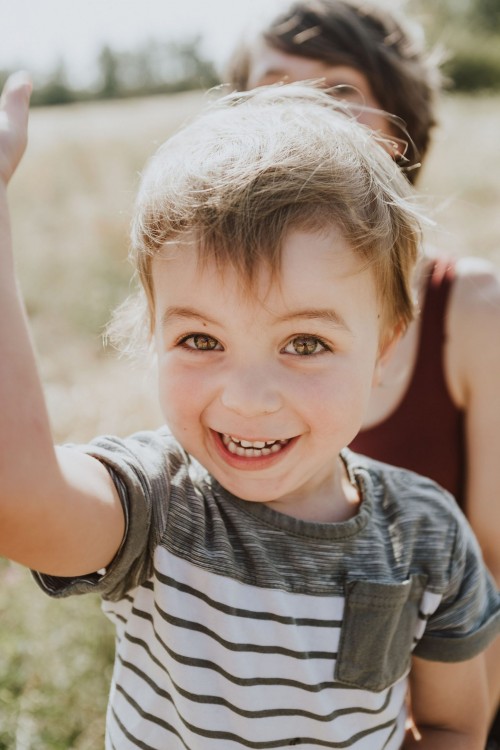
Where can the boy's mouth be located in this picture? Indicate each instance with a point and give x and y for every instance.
(252, 448)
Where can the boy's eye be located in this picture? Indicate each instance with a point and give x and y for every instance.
(200, 342)
(305, 346)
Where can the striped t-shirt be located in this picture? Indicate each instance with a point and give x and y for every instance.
(240, 627)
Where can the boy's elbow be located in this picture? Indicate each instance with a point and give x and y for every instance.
(449, 703)
(439, 738)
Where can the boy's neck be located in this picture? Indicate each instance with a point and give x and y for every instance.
(337, 500)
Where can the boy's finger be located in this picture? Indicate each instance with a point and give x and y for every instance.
(17, 91)
(14, 106)
(17, 80)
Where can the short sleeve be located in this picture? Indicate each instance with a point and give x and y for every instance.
(468, 616)
(142, 467)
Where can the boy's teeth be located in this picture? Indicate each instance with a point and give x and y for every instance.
(252, 448)
(249, 444)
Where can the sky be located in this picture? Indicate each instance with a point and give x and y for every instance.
(35, 34)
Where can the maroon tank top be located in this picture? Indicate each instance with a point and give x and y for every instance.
(426, 432)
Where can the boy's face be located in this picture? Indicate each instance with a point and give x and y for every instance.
(266, 388)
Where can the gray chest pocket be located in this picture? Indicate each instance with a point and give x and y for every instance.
(378, 632)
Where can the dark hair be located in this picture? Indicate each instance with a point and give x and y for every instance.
(372, 39)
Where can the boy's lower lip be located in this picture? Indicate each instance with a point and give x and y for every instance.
(246, 461)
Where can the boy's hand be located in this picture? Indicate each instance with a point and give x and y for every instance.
(14, 106)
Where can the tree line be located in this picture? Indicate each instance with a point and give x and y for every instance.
(153, 68)
(467, 30)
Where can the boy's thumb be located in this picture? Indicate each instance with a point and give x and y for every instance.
(18, 80)
(15, 101)
(17, 85)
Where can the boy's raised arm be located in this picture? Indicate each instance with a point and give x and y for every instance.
(59, 511)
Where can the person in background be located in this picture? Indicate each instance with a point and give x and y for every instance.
(436, 408)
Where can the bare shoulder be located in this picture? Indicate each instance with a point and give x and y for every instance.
(476, 289)
(473, 327)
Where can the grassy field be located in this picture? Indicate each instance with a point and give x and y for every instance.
(71, 204)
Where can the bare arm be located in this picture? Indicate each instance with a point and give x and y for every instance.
(474, 328)
(449, 705)
(59, 511)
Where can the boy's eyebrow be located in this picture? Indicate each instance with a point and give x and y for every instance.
(323, 314)
(311, 313)
(176, 311)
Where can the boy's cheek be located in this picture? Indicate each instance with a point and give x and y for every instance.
(171, 387)
(182, 394)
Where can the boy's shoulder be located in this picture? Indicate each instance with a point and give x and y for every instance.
(146, 459)
(396, 490)
(147, 448)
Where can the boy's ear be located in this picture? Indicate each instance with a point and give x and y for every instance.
(387, 343)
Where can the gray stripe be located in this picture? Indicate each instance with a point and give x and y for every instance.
(229, 645)
(390, 736)
(139, 743)
(268, 713)
(239, 612)
(243, 742)
(242, 681)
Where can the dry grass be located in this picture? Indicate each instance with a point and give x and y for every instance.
(71, 203)
(461, 178)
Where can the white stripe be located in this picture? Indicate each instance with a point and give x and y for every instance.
(218, 718)
(252, 698)
(241, 665)
(430, 602)
(229, 591)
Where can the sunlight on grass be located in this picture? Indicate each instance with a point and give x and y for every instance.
(55, 662)
(462, 177)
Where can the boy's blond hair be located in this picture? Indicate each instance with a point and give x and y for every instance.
(258, 164)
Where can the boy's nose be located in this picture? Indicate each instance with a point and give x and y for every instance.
(250, 393)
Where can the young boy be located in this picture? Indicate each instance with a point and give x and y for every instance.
(269, 588)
